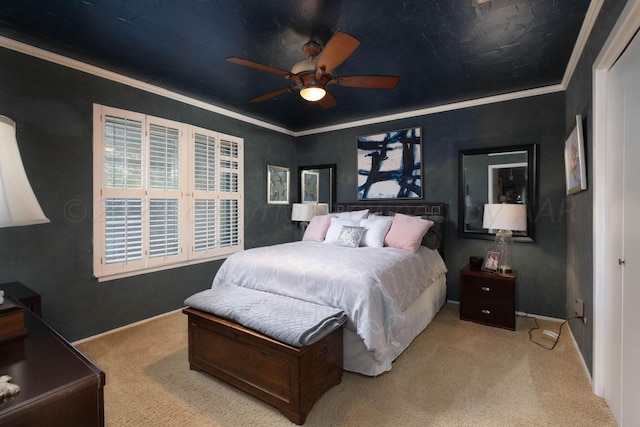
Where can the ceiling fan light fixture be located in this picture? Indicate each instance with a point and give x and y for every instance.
(313, 93)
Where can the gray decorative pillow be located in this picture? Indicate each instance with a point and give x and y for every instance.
(350, 236)
(433, 238)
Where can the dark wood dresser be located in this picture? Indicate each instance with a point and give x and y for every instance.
(58, 385)
(488, 298)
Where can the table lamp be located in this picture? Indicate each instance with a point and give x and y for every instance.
(18, 206)
(505, 217)
(303, 212)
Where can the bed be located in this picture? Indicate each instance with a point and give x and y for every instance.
(389, 294)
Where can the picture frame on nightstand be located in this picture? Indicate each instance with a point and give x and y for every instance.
(491, 261)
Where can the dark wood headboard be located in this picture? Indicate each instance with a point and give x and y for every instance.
(434, 236)
(425, 208)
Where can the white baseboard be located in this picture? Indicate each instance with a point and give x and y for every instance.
(582, 362)
(125, 327)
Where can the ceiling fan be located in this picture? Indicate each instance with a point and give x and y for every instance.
(312, 76)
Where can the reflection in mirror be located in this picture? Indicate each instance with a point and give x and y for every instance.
(496, 175)
(317, 184)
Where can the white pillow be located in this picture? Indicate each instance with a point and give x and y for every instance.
(353, 214)
(375, 230)
(336, 227)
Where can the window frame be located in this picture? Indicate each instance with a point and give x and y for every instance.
(185, 193)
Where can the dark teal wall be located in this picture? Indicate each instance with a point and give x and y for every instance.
(580, 220)
(541, 284)
(52, 106)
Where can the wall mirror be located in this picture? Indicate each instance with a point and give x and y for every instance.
(496, 175)
(317, 184)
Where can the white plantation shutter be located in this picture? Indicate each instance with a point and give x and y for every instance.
(205, 225)
(167, 185)
(164, 157)
(161, 187)
(229, 223)
(216, 186)
(205, 162)
(123, 230)
(123, 153)
(164, 227)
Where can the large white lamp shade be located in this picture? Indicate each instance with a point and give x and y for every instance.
(18, 204)
(505, 216)
(302, 212)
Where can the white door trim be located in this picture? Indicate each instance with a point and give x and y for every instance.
(627, 25)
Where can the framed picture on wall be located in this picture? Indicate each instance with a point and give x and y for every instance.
(575, 169)
(277, 185)
(390, 165)
(310, 184)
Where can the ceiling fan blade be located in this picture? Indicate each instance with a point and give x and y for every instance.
(336, 51)
(328, 101)
(370, 82)
(258, 66)
(272, 94)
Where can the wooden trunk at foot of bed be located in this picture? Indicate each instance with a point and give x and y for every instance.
(290, 379)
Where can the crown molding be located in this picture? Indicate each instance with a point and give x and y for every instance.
(55, 58)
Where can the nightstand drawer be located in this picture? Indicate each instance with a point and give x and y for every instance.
(486, 289)
(493, 313)
(487, 298)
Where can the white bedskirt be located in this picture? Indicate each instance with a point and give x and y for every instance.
(419, 315)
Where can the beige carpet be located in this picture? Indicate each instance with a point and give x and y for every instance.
(456, 373)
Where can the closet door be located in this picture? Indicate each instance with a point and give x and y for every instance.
(622, 377)
(630, 395)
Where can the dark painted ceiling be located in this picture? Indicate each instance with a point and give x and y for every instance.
(443, 50)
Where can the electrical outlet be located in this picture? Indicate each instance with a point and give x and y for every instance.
(579, 308)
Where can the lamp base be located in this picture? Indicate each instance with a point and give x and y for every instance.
(504, 269)
(504, 243)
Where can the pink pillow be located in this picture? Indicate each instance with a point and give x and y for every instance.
(406, 232)
(317, 228)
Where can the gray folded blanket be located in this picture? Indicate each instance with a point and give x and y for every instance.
(285, 319)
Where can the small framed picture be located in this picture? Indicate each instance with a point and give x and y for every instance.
(574, 158)
(492, 261)
(310, 181)
(277, 185)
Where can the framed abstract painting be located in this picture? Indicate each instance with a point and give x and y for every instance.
(574, 158)
(310, 183)
(390, 165)
(277, 185)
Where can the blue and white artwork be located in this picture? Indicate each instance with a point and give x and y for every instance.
(390, 165)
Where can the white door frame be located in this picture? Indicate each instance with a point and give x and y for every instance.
(623, 32)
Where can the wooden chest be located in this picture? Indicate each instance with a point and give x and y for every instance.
(488, 298)
(290, 379)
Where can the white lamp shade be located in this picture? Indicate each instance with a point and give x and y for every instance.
(302, 212)
(305, 211)
(18, 204)
(505, 216)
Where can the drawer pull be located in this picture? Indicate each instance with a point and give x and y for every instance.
(486, 289)
(486, 311)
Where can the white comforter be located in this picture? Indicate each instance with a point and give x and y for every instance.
(373, 286)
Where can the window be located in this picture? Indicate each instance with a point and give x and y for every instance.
(166, 194)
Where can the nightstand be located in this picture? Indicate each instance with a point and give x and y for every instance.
(488, 298)
(25, 295)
